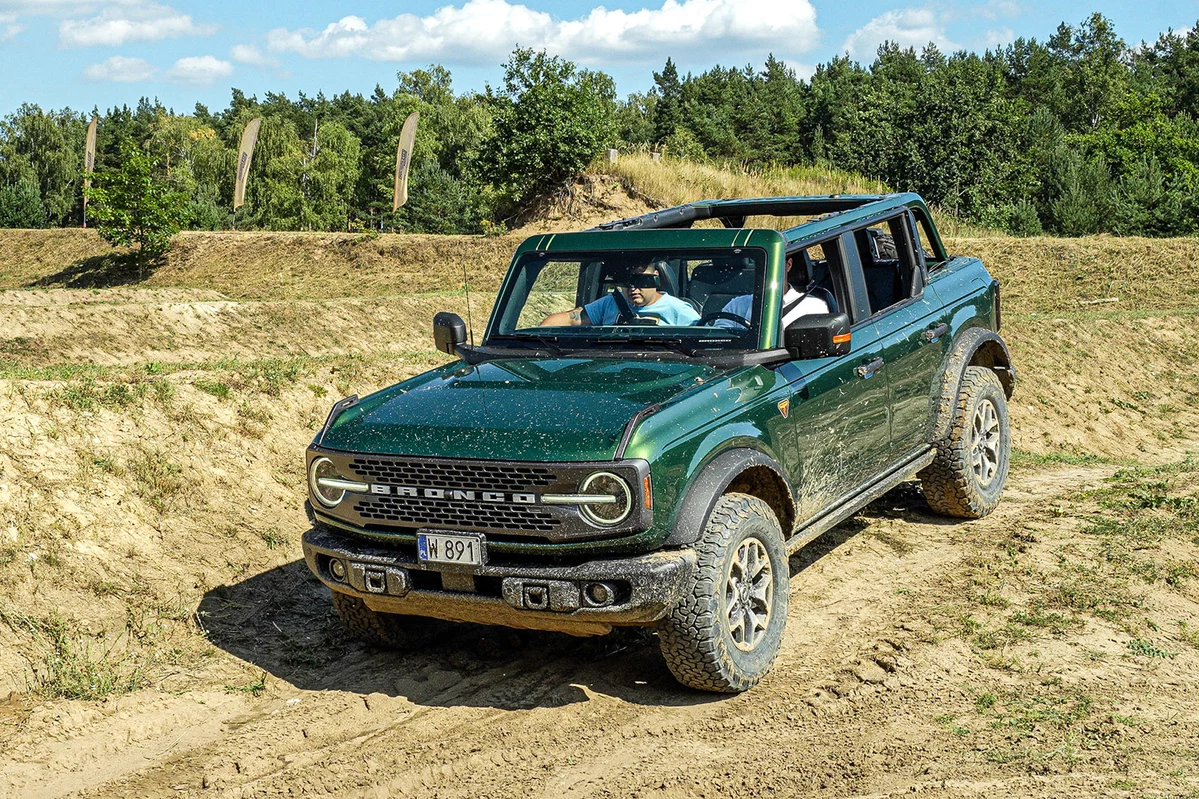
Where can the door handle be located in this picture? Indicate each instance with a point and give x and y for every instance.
(934, 333)
(867, 370)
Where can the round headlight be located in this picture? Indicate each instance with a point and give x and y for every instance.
(608, 485)
(324, 468)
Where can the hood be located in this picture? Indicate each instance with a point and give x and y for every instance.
(554, 409)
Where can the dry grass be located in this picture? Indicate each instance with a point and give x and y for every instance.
(1055, 276)
(671, 182)
(286, 266)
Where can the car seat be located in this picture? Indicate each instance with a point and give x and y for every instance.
(819, 280)
(714, 284)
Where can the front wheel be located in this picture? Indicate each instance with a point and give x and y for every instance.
(725, 633)
(968, 473)
(384, 630)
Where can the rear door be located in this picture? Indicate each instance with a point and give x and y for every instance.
(907, 320)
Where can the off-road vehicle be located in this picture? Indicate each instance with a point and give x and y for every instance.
(579, 476)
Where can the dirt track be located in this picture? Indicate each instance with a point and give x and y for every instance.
(851, 708)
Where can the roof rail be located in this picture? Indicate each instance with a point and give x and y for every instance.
(733, 213)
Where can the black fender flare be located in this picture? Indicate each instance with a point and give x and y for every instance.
(975, 346)
(714, 480)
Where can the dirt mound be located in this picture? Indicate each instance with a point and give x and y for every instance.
(596, 198)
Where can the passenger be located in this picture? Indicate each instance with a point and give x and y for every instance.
(645, 295)
(796, 303)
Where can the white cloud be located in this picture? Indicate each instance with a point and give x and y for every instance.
(484, 31)
(119, 24)
(251, 55)
(909, 27)
(995, 37)
(199, 70)
(802, 71)
(121, 70)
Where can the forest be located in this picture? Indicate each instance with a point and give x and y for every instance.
(1078, 134)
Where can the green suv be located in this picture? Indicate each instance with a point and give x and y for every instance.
(657, 416)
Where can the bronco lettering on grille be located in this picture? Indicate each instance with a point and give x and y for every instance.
(454, 494)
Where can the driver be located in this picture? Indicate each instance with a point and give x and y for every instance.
(795, 303)
(644, 292)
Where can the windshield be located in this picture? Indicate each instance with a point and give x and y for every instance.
(691, 299)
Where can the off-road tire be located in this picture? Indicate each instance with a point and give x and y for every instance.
(696, 638)
(384, 630)
(967, 476)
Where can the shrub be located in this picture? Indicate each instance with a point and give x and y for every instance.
(1023, 220)
(21, 206)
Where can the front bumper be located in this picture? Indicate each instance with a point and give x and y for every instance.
(643, 588)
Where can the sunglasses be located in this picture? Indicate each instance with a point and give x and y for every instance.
(642, 281)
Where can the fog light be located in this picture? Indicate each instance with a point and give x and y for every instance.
(600, 594)
(338, 569)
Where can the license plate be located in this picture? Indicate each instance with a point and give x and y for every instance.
(462, 549)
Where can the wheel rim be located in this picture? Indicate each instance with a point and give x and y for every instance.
(984, 449)
(748, 594)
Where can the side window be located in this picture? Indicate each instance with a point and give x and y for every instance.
(924, 238)
(818, 271)
(888, 263)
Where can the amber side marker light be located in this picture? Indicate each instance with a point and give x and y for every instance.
(649, 494)
(844, 338)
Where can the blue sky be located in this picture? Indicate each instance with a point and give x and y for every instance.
(85, 53)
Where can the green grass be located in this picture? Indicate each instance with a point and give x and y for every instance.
(86, 395)
(216, 388)
(270, 374)
(255, 688)
(75, 667)
(1023, 458)
(1140, 646)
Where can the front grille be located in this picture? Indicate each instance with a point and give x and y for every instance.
(426, 512)
(478, 475)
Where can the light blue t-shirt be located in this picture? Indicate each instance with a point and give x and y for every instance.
(671, 310)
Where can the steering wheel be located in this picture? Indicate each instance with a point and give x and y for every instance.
(708, 318)
(623, 308)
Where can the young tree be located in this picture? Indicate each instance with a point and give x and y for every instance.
(21, 206)
(551, 121)
(668, 113)
(132, 204)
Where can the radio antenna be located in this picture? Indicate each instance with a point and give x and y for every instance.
(470, 325)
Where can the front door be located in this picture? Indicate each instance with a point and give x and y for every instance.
(838, 410)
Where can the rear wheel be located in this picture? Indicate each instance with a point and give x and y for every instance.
(725, 633)
(967, 476)
(384, 630)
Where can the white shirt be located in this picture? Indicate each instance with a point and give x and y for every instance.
(743, 306)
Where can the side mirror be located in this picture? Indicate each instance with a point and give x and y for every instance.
(449, 332)
(818, 336)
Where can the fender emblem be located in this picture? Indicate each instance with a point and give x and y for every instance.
(785, 407)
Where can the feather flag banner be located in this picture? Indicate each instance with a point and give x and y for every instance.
(89, 162)
(249, 138)
(404, 159)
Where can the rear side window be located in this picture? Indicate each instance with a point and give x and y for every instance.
(924, 239)
(888, 263)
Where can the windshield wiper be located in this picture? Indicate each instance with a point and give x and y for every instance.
(547, 342)
(676, 344)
